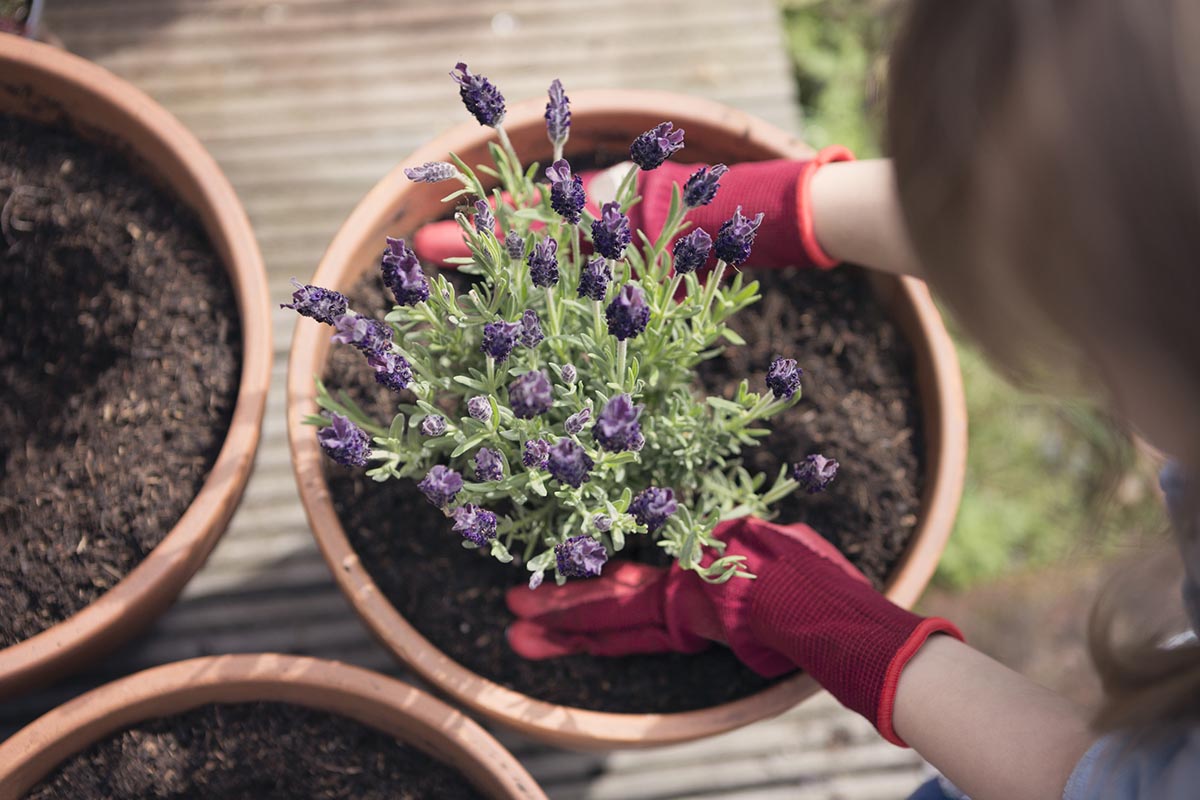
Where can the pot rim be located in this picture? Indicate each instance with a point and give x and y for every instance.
(549, 722)
(378, 701)
(155, 582)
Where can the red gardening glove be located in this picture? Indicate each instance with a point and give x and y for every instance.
(779, 189)
(808, 608)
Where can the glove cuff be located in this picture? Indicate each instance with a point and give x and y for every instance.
(804, 216)
(891, 679)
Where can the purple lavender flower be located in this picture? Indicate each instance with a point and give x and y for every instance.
(594, 279)
(480, 408)
(566, 191)
(431, 172)
(323, 305)
(579, 557)
(656, 145)
(783, 377)
(701, 188)
(558, 114)
(363, 333)
(576, 422)
(543, 263)
(402, 273)
(653, 506)
(531, 329)
(434, 425)
(691, 251)
(499, 339)
(736, 237)
(345, 442)
(489, 466)
(530, 395)
(628, 313)
(485, 222)
(514, 243)
(476, 524)
(617, 427)
(391, 370)
(479, 95)
(815, 473)
(441, 485)
(610, 233)
(537, 452)
(568, 373)
(602, 522)
(568, 463)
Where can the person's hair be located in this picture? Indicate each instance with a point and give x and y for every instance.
(1047, 157)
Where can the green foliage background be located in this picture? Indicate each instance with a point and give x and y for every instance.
(1046, 480)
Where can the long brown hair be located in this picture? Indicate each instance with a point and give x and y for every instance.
(1047, 155)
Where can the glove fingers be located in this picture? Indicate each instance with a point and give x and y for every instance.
(533, 641)
(626, 596)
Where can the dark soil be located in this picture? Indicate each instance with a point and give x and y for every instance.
(859, 407)
(119, 364)
(252, 751)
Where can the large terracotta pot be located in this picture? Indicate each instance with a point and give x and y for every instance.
(604, 120)
(44, 83)
(375, 700)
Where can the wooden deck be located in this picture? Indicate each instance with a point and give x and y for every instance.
(306, 104)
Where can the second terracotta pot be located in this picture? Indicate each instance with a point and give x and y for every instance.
(605, 121)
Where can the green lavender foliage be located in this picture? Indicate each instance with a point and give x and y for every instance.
(693, 444)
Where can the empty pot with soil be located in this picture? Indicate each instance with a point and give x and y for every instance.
(134, 360)
(264, 726)
(882, 393)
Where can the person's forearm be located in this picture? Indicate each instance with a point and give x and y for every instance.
(856, 216)
(991, 731)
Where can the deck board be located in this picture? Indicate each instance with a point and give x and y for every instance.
(305, 104)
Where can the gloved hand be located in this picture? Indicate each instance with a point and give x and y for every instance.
(807, 608)
(779, 189)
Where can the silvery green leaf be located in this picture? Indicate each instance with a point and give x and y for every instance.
(500, 552)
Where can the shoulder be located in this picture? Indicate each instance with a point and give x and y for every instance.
(1116, 769)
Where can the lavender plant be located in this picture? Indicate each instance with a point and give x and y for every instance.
(551, 411)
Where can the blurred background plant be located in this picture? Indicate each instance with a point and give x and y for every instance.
(1047, 481)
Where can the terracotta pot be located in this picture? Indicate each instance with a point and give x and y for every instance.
(375, 700)
(47, 84)
(604, 120)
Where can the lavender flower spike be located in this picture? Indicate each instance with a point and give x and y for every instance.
(543, 263)
(691, 251)
(569, 373)
(610, 233)
(558, 114)
(628, 313)
(345, 442)
(567, 197)
(701, 188)
(568, 463)
(617, 428)
(537, 453)
(363, 333)
(323, 305)
(653, 506)
(736, 237)
(499, 339)
(530, 395)
(477, 525)
(514, 243)
(402, 273)
(391, 370)
(485, 222)
(602, 522)
(479, 95)
(441, 485)
(579, 557)
(656, 145)
(815, 473)
(489, 466)
(576, 422)
(431, 172)
(531, 329)
(480, 408)
(594, 279)
(433, 426)
(783, 377)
